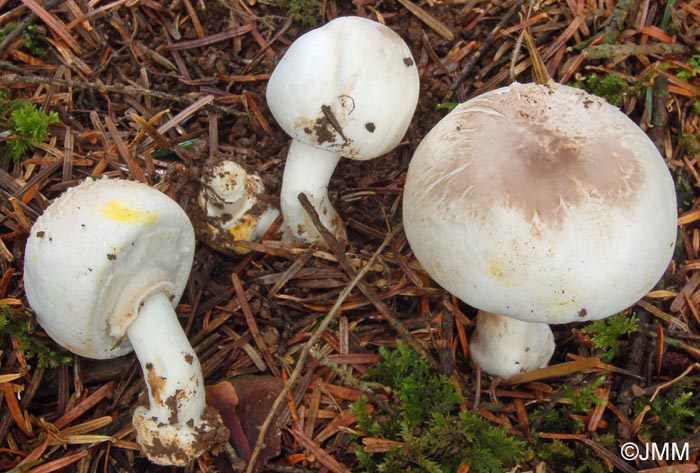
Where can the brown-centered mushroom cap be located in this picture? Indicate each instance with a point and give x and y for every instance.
(542, 203)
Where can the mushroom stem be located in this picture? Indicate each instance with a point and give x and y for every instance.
(308, 169)
(504, 346)
(175, 427)
(171, 368)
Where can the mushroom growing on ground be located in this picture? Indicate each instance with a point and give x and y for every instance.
(229, 198)
(347, 89)
(105, 265)
(539, 203)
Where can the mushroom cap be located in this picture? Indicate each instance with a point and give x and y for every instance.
(97, 252)
(228, 190)
(542, 203)
(353, 69)
(229, 199)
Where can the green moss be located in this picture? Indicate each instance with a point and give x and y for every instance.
(694, 62)
(571, 456)
(34, 42)
(583, 398)
(694, 65)
(305, 12)
(449, 106)
(686, 185)
(575, 457)
(24, 125)
(433, 433)
(579, 400)
(686, 189)
(684, 75)
(674, 412)
(37, 349)
(611, 87)
(695, 107)
(606, 332)
(690, 144)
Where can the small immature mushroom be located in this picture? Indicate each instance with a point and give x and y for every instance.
(229, 197)
(347, 89)
(105, 265)
(540, 203)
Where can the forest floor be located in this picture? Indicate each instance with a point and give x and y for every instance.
(159, 91)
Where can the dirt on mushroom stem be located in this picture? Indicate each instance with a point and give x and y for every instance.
(205, 439)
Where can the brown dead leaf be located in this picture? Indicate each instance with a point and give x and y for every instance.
(243, 402)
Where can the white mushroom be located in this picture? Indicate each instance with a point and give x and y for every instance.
(229, 197)
(540, 203)
(346, 89)
(105, 265)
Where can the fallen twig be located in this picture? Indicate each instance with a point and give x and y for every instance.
(18, 76)
(621, 51)
(296, 373)
(366, 289)
(351, 380)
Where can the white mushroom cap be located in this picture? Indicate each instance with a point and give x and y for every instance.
(359, 70)
(229, 197)
(96, 254)
(346, 89)
(229, 190)
(542, 203)
(105, 266)
(504, 346)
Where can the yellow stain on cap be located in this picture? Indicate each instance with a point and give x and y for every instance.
(118, 212)
(243, 230)
(502, 272)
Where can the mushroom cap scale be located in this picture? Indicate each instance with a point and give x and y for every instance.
(96, 253)
(354, 71)
(542, 203)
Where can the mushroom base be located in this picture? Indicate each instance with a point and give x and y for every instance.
(178, 444)
(176, 426)
(505, 347)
